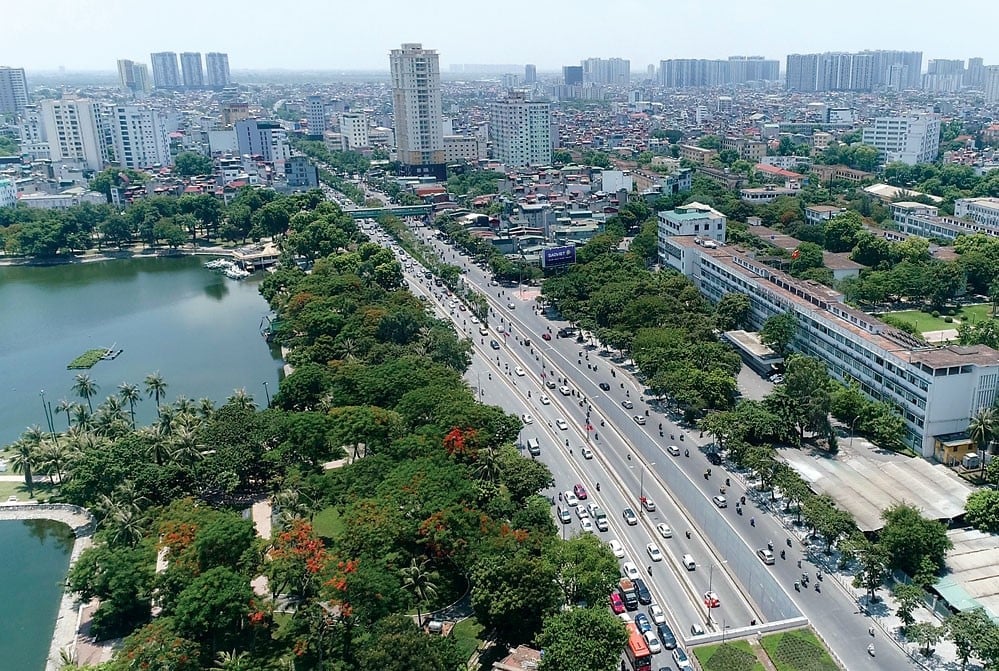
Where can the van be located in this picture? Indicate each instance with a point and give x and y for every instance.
(688, 562)
(533, 447)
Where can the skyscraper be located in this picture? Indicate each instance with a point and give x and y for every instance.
(607, 71)
(521, 131)
(572, 75)
(139, 137)
(217, 65)
(315, 112)
(13, 90)
(992, 84)
(77, 132)
(133, 76)
(194, 75)
(530, 74)
(861, 71)
(166, 74)
(975, 74)
(417, 110)
(912, 138)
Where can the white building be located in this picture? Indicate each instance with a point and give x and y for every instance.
(315, 113)
(139, 136)
(217, 65)
(166, 74)
(417, 110)
(911, 139)
(694, 219)
(34, 141)
(520, 130)
(133, 76)
(992, 84)
(984, 211)
(193, 73)
(459, 148)
(267, 139)
(58, 201)
(13, 90)
(354, 130)
(8, 192)
(77, 132)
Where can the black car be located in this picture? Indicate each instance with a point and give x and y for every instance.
(714, 458)
(644, 595)
(666, 636)
(494, 344)
(565, 333)
(605, 386)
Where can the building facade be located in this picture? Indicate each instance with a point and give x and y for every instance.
(263, 138)
(191, 70)
(520, 130)
(616, 71)
(862, 71)
(462, 148)
(982, 211)
(133, 77)
(678, 73)
(166, 74)
(530, 74)
(140, 137)
(300, 173)
(694, 219)
(991, 78)
(217, 67)
(417, 110)
(911, 139)
(13, 90)
(315, 113)
(77, 132)
(354, 130)
(8, 192)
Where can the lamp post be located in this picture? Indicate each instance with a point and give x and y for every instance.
(711, 573)
(267, 394)
(45, 410)
(641, 489)
(852, 425)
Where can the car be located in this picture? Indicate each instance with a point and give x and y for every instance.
(580, 491)
(642, 622)
(511, 306)
(688, 562)
(639, 419)
(562, 424)
(564, 516)
(657, 614)
(475, 320)
(494, 344)
(483, 331)
(627, 404)
(550, 384)
(582, 513)
(630, 517)
(674, 450)
(680, 657)
(452, 304)
(545, 400)
(625, 617)
(586, 524)
(714, 458)
(765, 555)
(664, 530)
(570, 499)
(648, 504)
(616, 604)
(629, 570)
(711, 599)
(564, 390)
(519, 371)
(586, 452)
(720, 501)
(500, 329)
(655, 647)
(527, 418)
(462, 307)
(546, 336)
(696, 629)
(666, 636)
(644, 595)
(604, 386)
(655, 554)
(616, 548)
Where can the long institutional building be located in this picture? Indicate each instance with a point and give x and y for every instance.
(936, 388)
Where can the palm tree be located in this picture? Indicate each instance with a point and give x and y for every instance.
(81, 417)
(85, 388)
(185, 405)
(66, 407)
(186, 447)
(155, 387)
(129, 393)
(233, 661)
(167, 421)
(23, 459)
(487, 465)
(54, 458)
(982, 429)
(241, 400)
(206, 408)
(418, 580)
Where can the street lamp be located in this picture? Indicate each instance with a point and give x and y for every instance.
(641, 489)
(711, 573)
(852, 425)
(45, 409)
(267, 394)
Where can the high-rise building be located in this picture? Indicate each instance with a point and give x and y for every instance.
(77, 132)
(263, 138)
(606, 71)
(193, 73)
(572, 75)
(974, 76)
(913, 138)
(133, 76)
(13, 90)
(217, 65)
(861, 71)
(520, 130)
(139, 136)
(166, 74)
(944, 66)
(417, 110)
(992, 84)
(679, 73)
(354, 130)
(234, 111)
(530, 74)
(315, 113)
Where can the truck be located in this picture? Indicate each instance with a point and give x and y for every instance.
(626, 589)
(599, 517)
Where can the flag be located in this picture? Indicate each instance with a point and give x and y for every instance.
(796, 253)
(589, 427)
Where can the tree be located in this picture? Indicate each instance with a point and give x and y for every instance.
(157, 647)
(514, 595)
(873, 568)
(926, 634)
(732, 311)
(155, 388)
(129, 393)
(982, 510)
(85, 388)
(213, 606)
(983, 427)
(908, 538)
(189, 163)
(582, 638)
(224, 541)
(395, 644)
(23, 458)
(778, 332)
(908, 597)
(841, 231)
(967, 629)
(807, 256)
(419, 581)
(585, 569)
(121, 577)
(806, 388)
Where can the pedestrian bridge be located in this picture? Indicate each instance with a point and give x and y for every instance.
(394, 210)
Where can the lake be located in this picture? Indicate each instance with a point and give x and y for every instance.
(34, 556)
(200, 330)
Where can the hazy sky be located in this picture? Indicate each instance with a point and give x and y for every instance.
(350, 34)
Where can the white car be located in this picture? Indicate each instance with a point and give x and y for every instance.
(629, 570)
(483, 331)
(545, 400)
(674, 450)
(527, 418)
(582, 513)
(519, 371)
(664, 530)
(657, 614)
(627, 404)
(475, 320)
(564, 390)
(655, 554)
(655, 647)
(586, 524)
(616, 548)
(639, 420)
(720, 501)
(561, 423)
(586, 452)
(570, 499)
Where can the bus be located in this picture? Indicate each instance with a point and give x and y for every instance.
(637, 650)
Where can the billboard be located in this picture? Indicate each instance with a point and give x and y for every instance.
(555, 257)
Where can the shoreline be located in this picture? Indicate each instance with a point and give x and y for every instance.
(131, 253)
(65, 632)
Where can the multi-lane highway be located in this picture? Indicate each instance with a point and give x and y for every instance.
(631, 460)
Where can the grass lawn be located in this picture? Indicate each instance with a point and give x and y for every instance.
(728, 656)
(798, 650)
(924, 321)
(466, 634)
(8, 489)
(327, 523)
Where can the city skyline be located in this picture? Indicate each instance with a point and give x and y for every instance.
(645, 33)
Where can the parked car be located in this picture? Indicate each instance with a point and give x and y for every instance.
(657, 614)
(642, 622)
(629, 570)
(666, 636)
(644, 595)
(616, 604)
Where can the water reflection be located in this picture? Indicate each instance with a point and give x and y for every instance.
(57, 532)
(217, 290)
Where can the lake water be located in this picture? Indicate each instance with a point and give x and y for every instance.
(200, 330)
(34, 556)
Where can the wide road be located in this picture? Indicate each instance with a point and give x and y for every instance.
(833, 612)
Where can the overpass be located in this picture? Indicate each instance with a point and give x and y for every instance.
(394, 210)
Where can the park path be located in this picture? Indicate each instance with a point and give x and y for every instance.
(260, 513)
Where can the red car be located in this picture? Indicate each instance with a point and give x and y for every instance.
(546, 336)
(580, 491)
(617, 605)
(711, 600)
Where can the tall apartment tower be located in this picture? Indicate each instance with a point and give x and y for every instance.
(417, 110)
(992, 84)
(912, 138)
(521, 131)
(139, 137)
(13, 90)
(315, 112)
(77, 132)
(193, 73)
(217, 65)
(166, 74)
(354, 130)
(133, 76)
(530, 74)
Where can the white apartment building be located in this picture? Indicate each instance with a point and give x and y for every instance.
(982, 211)
(13, 90)
(34, 141)
(315, 113)
(992, 84)
(217, 66)
(913, 138)
(694, 219)
(166, 74)
(936, 389)
(140, 137)
(520, 130)
(264, 138)
(459, 148)
(191, 70)
(417, 110)
(77, 132)
(354, 130)
(8, 192)
(919, 219)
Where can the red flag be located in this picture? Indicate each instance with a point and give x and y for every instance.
(796, 253)
(589, 427)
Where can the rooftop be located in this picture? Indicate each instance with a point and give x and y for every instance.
(887, 192)
(972, 577)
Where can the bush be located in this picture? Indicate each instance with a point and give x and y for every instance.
(948, 319)
(935, 314)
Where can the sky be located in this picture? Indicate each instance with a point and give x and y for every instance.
(352, 35)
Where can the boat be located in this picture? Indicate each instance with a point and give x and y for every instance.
(218, 264)
(236, 273)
